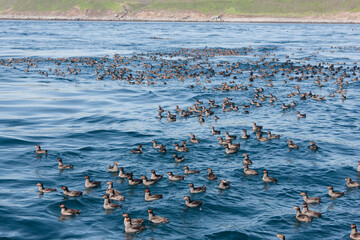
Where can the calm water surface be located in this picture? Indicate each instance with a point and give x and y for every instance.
(91, 124)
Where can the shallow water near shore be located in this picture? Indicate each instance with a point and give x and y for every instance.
(91, 124)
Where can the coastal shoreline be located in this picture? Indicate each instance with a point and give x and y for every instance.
(181, 18)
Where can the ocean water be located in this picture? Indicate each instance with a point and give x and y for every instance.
(92, 123)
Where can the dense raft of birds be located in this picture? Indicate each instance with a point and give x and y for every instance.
(196, 68)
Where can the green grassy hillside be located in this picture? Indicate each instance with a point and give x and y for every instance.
(213, 7)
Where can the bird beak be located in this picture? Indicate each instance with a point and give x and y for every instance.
(149, 211)
(104, 196)
(108, 183)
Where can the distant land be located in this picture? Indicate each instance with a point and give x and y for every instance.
(318, 11)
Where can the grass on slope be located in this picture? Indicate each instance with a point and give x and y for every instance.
(215, 7)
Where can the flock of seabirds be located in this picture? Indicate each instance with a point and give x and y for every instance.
(194, 64)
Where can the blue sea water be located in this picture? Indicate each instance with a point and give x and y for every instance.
(91, 124)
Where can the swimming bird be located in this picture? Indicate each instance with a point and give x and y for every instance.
(134, 221)
(196, 189)
(90, 184)
(249, 171)
(229, 150)
(233, 145)
(152, 197)
(115, 195)
(216, 117)
(222, 142)
(162, 148)
(313, 146)
(214, 132)
(131, 228)
(351, 184)
(45, 190)
(177, 158)
(192, 203)
(271, 136)
(284, 107)
(160, 109)
(188, 171)
(246, 160)
(108, 204)
(123, 174)
(138, 150)
(245, 135)
(334, 194)
(211, 175)
(224, 184)
(292, 145)
(155, 145)
(310, 199)
(193, 139)
(310, 213)
(260, 137)
(354, 235)
(113, 168)
(302, 217)
(155, 176)
(133, 182)
(281, 236)
(68, 211)
(358, 168)
(39, 150)
(180, 148)
(173, 177)
(256, 128)
(147, 182)
(156, 219)
(71, 193)
(299, 115)
(266, 178)
(229, 137)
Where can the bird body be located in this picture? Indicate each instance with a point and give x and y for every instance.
(351, 184)
(192, 203)
(156, 219)
(224, 184)
(45, 190)
(334, 194)
(113, 168)
(151, 197)
(310, 213)
(266, 178)
(197, 189)
(68, 211)
(310, 199)
(90, 184)
(173, 177)
(302, 217)
(71, 193)
(108, 204)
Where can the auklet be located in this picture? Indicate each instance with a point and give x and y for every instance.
(68, 211)
(246, 160)
(299, 115)
(249, 171)
(229, 137)
(354, 235)
(313, 146)
(178, 158)
(155, 145)
(197, 189)
(138, 150)
(155, 176)
(358, 168)
(245, 136)
(281, 236)
(133, 182)
(302, 217)
(292, 145)
(310, 213)
(45, 190)
(222, 142)
(90, 184)
(211, 175)
(334, 194)
(148, 182)
(224, 184)
(193, 139)
(162, 149)
(131, 228)
(310, 199)
(180, 148)
(271, 136)
(191, 203)
(39, 150)
(108, 204)
(351, 184)
(266, 178)
(156, 219)
(175, 177)
(111, 186)
(256, 128)
(152, 197)
(230, 150)
(134, 221)
(71, 193)
(123, 174)
(214, 132)
(115, 196)
(188, 171)
(113, 168)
